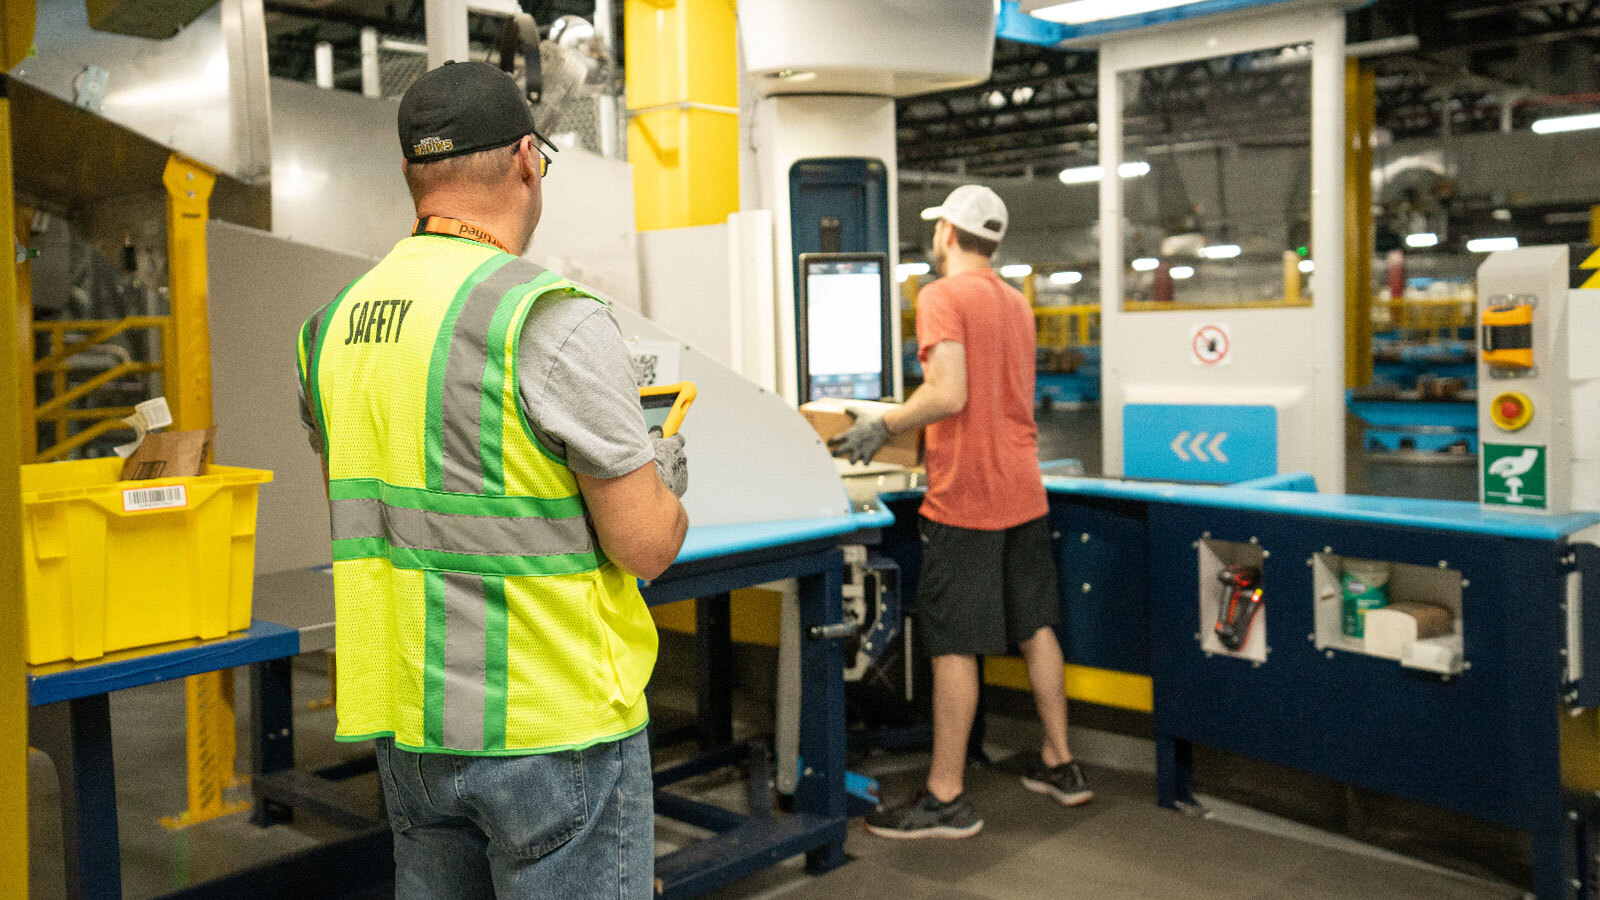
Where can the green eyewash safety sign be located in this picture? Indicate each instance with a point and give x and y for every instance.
(1514, 475)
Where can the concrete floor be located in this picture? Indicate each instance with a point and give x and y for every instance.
(148, 731)
(1121, 845)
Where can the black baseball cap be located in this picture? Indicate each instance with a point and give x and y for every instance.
(460, 108)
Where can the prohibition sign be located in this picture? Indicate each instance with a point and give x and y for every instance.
(1211, 345)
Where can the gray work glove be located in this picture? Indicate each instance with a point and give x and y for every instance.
(861, 441)
(671, 464)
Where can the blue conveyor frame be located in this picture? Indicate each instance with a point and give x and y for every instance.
(1485, 742)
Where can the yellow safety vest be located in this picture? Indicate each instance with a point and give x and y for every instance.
(476, 612)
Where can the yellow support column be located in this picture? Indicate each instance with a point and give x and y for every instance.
(1361, 119)
(16, 37)
(188, 209)
(683, 132)
(211, 741)
(13, 695)
(27, 425)
(683, 111)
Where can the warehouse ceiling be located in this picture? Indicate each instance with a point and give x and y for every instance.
(1443, 66)
(295, 27)
(1475, 65)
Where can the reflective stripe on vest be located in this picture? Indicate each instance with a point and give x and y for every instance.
(491, 557)
(415, 531)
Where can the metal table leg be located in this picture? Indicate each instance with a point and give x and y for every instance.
(1174, 771)
(272, 721)
(822, 712)
(713, 688)
(1555, 871)
(76, 735)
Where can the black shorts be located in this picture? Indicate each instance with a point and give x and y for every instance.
(982, 591)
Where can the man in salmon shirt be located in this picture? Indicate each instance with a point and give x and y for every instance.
(988, 571)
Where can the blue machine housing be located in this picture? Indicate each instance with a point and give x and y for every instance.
(1486, 741)
(837, 205)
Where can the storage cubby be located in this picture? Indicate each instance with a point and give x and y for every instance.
(1214, 556)
(1407, 583)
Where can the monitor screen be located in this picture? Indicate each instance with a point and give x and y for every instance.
(657, 409)
(845, 314)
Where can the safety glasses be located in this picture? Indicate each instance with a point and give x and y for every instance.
(544, 158)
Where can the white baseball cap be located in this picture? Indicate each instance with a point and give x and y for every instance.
(974, 209)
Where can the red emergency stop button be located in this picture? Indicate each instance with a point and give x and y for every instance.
(1511, 410)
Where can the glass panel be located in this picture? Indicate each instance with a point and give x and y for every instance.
(1216, 181)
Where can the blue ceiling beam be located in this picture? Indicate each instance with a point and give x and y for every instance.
(1015, 25)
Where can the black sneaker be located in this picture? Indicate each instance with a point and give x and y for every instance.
(926, 817)
(1064, 782)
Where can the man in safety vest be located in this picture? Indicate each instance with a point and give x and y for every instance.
(495, 499)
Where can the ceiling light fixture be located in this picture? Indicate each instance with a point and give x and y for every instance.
(1422, 240)
(1017, 270)
(1062, 279)
(1146, 264)
(1092, 174)
(1082, 12)
(1490, 245)
(1560, 124)
(907, 270)
(1221, 251)
(1182, 273)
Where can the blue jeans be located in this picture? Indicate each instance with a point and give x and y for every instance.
(572, 825)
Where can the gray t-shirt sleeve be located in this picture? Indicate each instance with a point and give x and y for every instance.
(307, 420)
(578, 390)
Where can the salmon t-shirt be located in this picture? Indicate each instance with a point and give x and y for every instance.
(983, 462)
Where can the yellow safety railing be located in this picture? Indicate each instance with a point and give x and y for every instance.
(1424, 318)
(68, 338)
(1068, 326)
(908, 310)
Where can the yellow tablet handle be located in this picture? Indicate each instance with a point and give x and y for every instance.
(685, 392)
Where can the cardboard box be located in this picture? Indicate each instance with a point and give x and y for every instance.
(830, 417)
(1389, 629)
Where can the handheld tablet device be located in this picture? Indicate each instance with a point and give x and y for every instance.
(665, 405)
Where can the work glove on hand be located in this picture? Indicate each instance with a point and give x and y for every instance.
(671, 464)
(861, 441)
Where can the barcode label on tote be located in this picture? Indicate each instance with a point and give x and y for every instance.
(140, 499)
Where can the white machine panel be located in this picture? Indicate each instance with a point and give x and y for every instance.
(202, 92)
(261, 289)
(1583, 329)
(1270, 377)
(787, 130)
(1525, 412)
(891, 49)
(698, 307)
(336, 182)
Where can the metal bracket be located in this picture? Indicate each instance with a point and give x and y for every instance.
(1585, 560)
(836, 632)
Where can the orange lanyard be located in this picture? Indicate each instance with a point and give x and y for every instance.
(456, 228)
